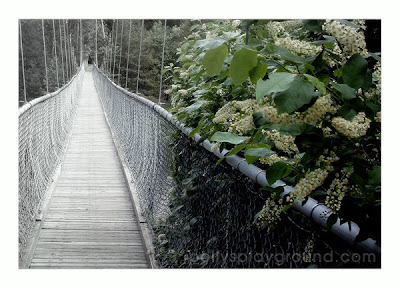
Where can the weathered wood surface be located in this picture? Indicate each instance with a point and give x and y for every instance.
(90, 221)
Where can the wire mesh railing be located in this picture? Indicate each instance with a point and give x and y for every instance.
(44, 126)
(144, 138)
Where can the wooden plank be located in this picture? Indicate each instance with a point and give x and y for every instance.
(90, 221)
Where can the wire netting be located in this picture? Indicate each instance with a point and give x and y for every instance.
(44, 126)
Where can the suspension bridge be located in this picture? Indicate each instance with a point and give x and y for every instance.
(94, 178)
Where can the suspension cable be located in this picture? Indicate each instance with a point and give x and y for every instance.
(96, 46)
(127, 58)
(111, 49)
(62, 56)
(66, 52)
(140, 52)
(162, 61)
(55, 52)
(115, 50)
(45, 60)
(80, 43)
(22, 58)
(120, 52)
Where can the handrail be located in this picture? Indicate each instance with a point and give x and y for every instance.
(312, 209)
(40, 99)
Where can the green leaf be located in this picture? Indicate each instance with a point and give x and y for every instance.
(242, 62)
(374, 176)
(277, 171)
(367, 80)
(313, 25)
(209, 43)
(196, 130)
(227, 137)
(258, 72)
(213, 60)
(299, 93)
(259, 120)
(287, 55)
(317, 84)
(193, 107)
(345, 90)
(233, 151)
(259, 152)
(277, 82)
(230, 34)
(354, 71)
(328, 40)
(332, 219)
(347, 112)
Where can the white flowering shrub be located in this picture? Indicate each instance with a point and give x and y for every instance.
(301, 99)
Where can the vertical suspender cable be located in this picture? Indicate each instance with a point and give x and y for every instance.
(80, 42)
(95, 49)
(55, 52)
(69, 50)
(62, 56)
(115, 50)
(120, 52)
(112, 41)
(127, 58)
(66, 53)
(72, 55)
(45, 60)
(162, 61)
(140, 52)
(22, 57)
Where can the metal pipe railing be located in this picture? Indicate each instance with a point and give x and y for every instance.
(312, 209)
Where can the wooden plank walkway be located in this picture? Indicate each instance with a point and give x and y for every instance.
(90, 221)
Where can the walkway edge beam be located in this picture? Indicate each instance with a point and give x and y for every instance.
(312, 209)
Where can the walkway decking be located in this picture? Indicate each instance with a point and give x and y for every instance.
(90, 221)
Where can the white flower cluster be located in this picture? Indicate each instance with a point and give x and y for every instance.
(376, 78)
(237, 115)
(270, 113)
(271, 213)
(337, 190)
(298, 46)
(352, 129)
(284, 143)
(291, 25)
(240, 124)
(236, 23)
(225, 113)
(276, 29)
(378, 116)
(327, 161)
(352, 39)
(318, 110)
(279, 32)
(272, 159)
(306, 185)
